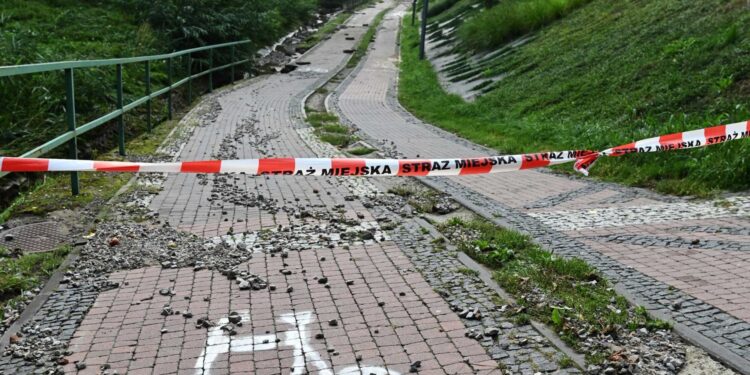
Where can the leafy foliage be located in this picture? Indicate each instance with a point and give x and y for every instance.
(190, 23)
(35, 31)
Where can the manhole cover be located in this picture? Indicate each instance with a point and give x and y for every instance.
(44, 236)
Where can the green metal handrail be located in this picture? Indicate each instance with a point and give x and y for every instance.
(69, 66)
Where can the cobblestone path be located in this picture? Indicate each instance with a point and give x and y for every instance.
(690, 259)
(324, 290)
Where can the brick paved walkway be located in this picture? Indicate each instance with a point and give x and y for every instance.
(691, 259)
(344, 309)
(358, 306)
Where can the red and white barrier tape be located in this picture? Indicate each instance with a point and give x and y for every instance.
(390, 167)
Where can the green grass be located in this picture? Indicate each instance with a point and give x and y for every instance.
(510, 19)
(359, 151)
(607, 74)
(26, 272)
(329, 129)
(440, 6)
(582, 296)
(368, 38)
(53, 192)
(468, 271)
(318, 119)
(35, 31)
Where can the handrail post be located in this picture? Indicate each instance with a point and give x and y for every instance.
(232, 61)
(413, 11)
(148, 93)
(423, 36)
(121, 118)
(70, 117)
(211, 71)
(169, 92)
(190, 77)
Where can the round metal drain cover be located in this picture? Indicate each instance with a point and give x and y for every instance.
(37, 237)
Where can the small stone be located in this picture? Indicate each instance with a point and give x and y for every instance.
(80, 365)
(349, 282)
(491, 332)
(319, 336)
(187, 314)
(165, 292)
(234, 318)
(322, 280)
(381, 303)
(9, 237)
(333, 322)
(114, 241)
(415, 366)
(289, 289)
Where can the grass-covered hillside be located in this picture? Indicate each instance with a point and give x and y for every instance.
(601, 73)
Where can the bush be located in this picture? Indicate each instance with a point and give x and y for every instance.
(511, 19)
(190, 23)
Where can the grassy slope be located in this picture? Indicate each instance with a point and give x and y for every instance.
(510, 19)
(607, 74)
(33, 31)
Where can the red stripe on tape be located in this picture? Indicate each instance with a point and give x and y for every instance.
(348, 167)
(204, 166)
(414, 167)
(535, 161)
(476, 166)
(714, 134)
(115, 166)
(671, 139)
(624, 149)
(276, 165)
(24, 165)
